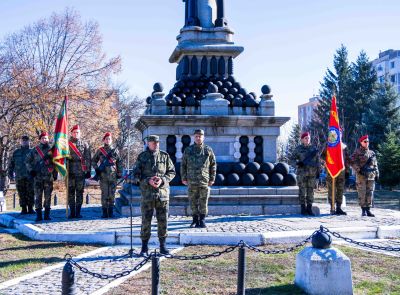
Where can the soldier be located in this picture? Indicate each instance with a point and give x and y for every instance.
(109, 168)
(198, 171)
(307, 160)
(339, 181)
(153, 171)
(364, 162)
(24, 182)
(79, 166)
(40, 166)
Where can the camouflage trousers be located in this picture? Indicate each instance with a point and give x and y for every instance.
(108, 188)
(147, 207)
(25, 192)
(339, 187)
(43, 187)
(198, 198)
(365, 189)
(76, 185)
(306, 189)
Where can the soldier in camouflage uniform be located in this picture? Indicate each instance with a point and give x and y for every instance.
(79, 166)
(24, 181)
(307, 160)
(108, 166)
(153, 171)
(339, 181)
(40, 166)
(364, 162)
(198, 171)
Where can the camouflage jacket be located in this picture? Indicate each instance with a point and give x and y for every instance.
(74, 162)
(310, 158)
(198, 165)
(346, 157)
(44, 168)
(111, 171)
(149, 164)
(359, 160)
(17, 163)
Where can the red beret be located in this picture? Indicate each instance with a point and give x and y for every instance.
(76, 127)
(106, 135)
(362, 138)
(304, 134)
(44, 133)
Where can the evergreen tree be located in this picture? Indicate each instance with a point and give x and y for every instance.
(292, 143)
(383, 115)
(389, 161)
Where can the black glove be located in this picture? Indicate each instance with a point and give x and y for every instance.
(33, 173)
(300, 164)
(88, 175)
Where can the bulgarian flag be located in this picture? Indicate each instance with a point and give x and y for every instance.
(334, 155)
(61, 147)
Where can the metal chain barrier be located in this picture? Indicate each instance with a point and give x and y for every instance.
(204, 256)
(361, 244)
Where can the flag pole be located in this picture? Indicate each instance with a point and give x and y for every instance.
(67, 164)
(333, 193)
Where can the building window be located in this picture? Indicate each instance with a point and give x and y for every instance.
(380, 68)
(392, 64)
(393, 78)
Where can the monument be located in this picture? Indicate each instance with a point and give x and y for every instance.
(240, 126)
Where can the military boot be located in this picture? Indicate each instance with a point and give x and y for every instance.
(202, 223)
(47, 214)
(78, 211)
(24, 210)
(309, 210)
(303, 210)
(364, 212)
(38, 215)
(368, 212)
(195, 221)
(145, 248)
(110, 212)
(105, 213)
(163, 247)
(30, 209)
(339, 210)
(72, 212)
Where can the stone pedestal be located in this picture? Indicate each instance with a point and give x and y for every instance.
(323, 272)
(267, 105)
(214, 104)
(158, 104)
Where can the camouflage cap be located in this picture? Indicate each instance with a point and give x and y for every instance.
(153, 138)
(199, 131)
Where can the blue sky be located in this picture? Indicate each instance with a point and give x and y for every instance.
(288, 44)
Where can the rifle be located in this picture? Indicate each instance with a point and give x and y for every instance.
(105, 163)
(307, 160)
(364, 169)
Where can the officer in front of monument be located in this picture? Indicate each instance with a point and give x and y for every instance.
(40, 166)
(153, 171)
(24, 182)
(78, 169)
(198, 171)
(108, 167)
(307, 160)
(365, 164)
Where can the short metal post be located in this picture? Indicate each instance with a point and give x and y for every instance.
(14, 200)
(155, 274)
(68, 280)
(241, 271)
(87, 199)
(55, 199)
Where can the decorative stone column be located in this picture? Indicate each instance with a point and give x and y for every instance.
(251, 146)
(214, 103)
(267, 105)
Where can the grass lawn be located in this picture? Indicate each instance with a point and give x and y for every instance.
(266, 274)
(19, 255)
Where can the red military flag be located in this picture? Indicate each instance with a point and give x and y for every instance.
(334, 155)
(61, 148)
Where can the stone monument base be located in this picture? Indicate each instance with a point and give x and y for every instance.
(224, 201)
(323, 272)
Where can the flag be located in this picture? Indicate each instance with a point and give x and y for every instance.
(61, 147)
(334, 154)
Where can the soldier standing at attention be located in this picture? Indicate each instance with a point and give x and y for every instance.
(153, 171)
(78, 169)
(364, 162)
(24, 181)
(307, 160)
(109, 167)
(40, 166)
(198, 171)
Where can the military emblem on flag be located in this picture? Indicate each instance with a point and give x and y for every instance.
(61, 148)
